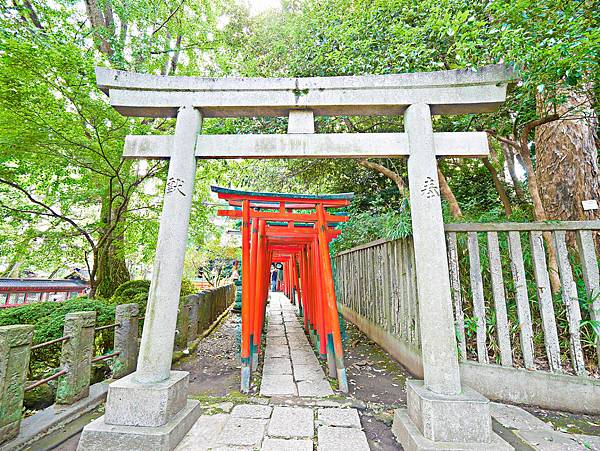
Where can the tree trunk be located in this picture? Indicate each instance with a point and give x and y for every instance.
(387, 172)
(499, 188)
(567, 161)
(509, 156)
(109, 262)
(448, 195)
(111, 270)
(539, 213)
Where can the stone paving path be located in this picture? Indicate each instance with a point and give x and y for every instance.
(296, 417)
(290, 366)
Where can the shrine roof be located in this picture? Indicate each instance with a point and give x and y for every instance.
(272, 200)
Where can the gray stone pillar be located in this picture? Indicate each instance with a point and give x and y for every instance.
(183, 322)
(15, 349)
(438, 341)
(440, 414)
(149, 409)
(126, 339)
(156, 349)
(76, 357)
(193, 320)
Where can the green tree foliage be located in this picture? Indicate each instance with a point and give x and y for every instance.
(552, 45)
(66, 196)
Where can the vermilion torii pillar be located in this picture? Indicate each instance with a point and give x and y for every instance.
(441, 412)
(262, 235)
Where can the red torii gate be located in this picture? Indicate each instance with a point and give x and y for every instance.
(274, 231)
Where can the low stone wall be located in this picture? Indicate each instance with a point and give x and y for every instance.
(197, 313)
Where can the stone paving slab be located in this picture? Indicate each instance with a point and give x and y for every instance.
(277, 341)
(206, 430)
(251, 411)
(551, 441)
(277, 365)
(304, 358)
(339, 417)
(243, 432)
(278, 444)
(318, 389)
(278, 385)
(513, 417)
(277, 351)
(341, 439)
(275, 334)
(291, 422)
(308, 372)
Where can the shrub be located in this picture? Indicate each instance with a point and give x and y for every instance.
(49, 320)
(132, 292)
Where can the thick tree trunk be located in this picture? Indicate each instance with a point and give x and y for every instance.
(110, 269)
(509, 156)
(567, 161)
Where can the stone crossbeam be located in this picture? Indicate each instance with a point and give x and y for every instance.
(447, 92)
(342, 145)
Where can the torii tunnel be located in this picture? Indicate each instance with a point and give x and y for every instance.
(295, 230)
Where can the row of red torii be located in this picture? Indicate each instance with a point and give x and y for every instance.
(149, 406)
(273, 231)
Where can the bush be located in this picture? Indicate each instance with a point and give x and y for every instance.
(136, 292)
(49, 317)
(49, 320)
(187, 288)
(132, 292)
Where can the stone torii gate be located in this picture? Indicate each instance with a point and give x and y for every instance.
(149, 406)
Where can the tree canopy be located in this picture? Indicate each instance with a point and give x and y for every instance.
(68, 198)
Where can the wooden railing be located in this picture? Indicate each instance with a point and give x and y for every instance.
(493, 269)
(505, 310)
(378, 281)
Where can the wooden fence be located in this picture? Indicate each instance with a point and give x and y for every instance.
(378, 281)
(505, 310)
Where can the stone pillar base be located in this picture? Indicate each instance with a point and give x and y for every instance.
(143, 416)
(433, 421)
(99, 436)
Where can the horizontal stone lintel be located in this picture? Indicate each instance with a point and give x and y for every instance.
(447, 92)
(340, 145)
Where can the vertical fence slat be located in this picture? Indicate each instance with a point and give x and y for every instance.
(459, 317)
(499, 299)
(591, 277)
(518, 271)
(571, 301)
(546, 306)
(478, 300)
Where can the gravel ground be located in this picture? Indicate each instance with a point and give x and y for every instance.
(214, 367)
(378, 381)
